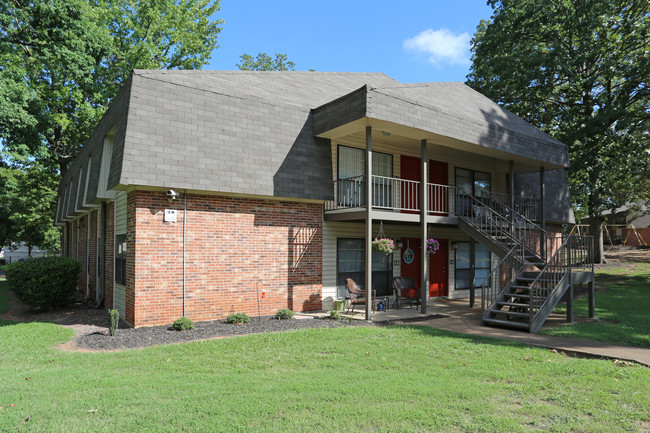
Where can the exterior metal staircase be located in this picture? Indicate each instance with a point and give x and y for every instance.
(534, 272)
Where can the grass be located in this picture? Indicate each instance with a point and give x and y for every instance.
(622, 308)
(394, 379)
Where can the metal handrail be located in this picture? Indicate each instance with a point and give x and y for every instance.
(515, 263)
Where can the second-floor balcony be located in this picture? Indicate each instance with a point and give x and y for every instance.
(403, 197)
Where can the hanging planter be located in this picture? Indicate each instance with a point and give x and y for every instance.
(432, 246)
(382, 243)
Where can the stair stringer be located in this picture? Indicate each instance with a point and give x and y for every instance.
(550, 303)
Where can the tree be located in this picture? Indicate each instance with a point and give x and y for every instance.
(63, 61)
(264, 62)
(578, 70)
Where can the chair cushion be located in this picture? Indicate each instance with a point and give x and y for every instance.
(409, 293)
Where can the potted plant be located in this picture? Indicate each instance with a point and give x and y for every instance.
(384, 245)
(432, 246)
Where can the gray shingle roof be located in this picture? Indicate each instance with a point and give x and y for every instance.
(247, 132)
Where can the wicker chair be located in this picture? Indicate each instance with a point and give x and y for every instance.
(405, 292)
(358, 296)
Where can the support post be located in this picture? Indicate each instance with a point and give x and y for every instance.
(542, 211)
(569, 304)
(368, 192)
(592, 300)
(472, 272)
(424, 206)
(511, 187)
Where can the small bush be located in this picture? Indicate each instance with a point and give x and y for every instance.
(44, 281)
(238, 318)
(113, 321)
(182, 324)
(284, 313)
(335, 315)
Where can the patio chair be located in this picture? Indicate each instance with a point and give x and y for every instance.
(405, 292)
(358, 296)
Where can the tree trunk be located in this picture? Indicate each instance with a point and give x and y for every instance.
(596, 230)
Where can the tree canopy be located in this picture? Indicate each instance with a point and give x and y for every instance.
(578, 70)
(264, 62)
(63, 61)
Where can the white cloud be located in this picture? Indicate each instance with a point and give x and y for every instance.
(442, 46)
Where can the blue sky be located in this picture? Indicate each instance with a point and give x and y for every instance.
(412, 41)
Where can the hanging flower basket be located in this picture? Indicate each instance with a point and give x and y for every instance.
(385, 245)
(432, 246)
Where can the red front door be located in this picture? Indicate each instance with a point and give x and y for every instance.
(410, 169)
(438, 194)
(438, 272)
(411, 260)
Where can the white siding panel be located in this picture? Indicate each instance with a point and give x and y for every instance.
(119, 293)
(119, 299)
(334, 230)
(120, 213)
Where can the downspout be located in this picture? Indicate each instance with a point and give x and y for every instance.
(184, 223)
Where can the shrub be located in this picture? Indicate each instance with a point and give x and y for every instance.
(44, 281)
(238, 318)
(182, 324)
(284, 313)
(113, 321)
(335, 315)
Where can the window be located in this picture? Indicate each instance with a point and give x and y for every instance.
(471, 183)
(350, 263)
(351, 169)
(482, 265)
(120, 259)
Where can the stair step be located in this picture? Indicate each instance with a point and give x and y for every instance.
(512, 304)
(518, 287)
(516, 295)
(511, 313)
(508, 323)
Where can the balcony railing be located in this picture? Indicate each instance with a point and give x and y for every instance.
(391, 193)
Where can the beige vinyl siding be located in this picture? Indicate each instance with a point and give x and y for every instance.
(454, 158)
(119, 293)
(334, 230)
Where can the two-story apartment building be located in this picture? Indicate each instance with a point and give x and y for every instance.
(204, 193)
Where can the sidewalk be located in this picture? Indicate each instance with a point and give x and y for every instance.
(472, 326)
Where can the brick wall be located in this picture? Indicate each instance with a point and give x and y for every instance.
(631, 239)
(235, 247)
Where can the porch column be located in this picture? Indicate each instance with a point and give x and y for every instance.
(472, 272)
(424, 206)
(368, 192)
(511, 186)
(542, 212)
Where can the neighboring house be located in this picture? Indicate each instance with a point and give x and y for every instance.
(628, 225)
(16, 252)
(199, 190)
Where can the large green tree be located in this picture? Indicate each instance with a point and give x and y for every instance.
(63, 61)
(579, 70)
(264, 62)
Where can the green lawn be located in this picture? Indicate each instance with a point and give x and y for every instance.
(622, 308)
(397, 379)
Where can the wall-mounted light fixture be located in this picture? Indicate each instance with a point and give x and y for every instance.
(399, 244)
(386, 133)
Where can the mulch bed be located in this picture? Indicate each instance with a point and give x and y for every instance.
(129, 338)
